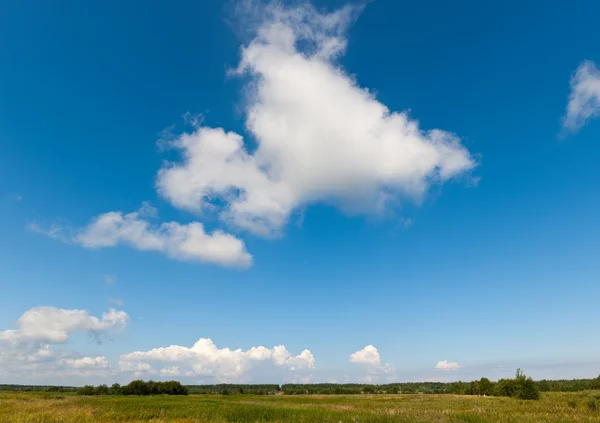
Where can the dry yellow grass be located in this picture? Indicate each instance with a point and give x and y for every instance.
(66, 408)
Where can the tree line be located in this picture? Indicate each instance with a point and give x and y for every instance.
(136, 387)
(518, 387)
(228, 389)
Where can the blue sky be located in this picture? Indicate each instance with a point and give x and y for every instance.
(254, 175)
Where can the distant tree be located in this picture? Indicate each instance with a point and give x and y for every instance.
(101, 390)
(115, 389)
(486, 387)
(526, 387)
(369, 389)
(136, 387)
(86, 390)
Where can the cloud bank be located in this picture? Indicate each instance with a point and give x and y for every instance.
(54, 325)
(39, 351)
(584, 100)
(204, 360)
(35, 352)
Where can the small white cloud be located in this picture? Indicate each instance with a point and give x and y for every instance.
(368, 355)
(87, 363)
(54, 325)
(186, 242)
(116, 301)
(110, 279)
(182, 242)
(584, 100)
(447, 365)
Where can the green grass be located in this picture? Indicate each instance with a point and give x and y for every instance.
(68, 408)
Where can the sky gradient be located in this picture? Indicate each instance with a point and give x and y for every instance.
(327, 191)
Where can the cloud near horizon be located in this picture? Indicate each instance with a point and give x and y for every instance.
(53, 325)
(375, 372)
(447, 365)
(204, 360)
(30, 352)
(40, 350)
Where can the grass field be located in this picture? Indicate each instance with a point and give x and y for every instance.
(68, 408)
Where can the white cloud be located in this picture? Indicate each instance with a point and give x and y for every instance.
(110, 279)
(182, 242)
(447, 365)
(54, 325)
(584, 100)
(368, 355)
(170, 371)
(370, 359)
(38, 351)
(186, 242)
(204, 360)
(320, 136)
(87, 363)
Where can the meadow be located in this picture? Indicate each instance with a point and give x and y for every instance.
(44, 407)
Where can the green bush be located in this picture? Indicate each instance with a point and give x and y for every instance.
(592, 404)
(521, 387)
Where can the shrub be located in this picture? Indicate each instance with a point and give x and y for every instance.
(592, 404)
(521, 387)
(527, 389)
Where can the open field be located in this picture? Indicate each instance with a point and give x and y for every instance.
(67, 408)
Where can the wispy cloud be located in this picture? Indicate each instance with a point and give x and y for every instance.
(109, 279)
(53, 231)
(584, 100)
(116, 301)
